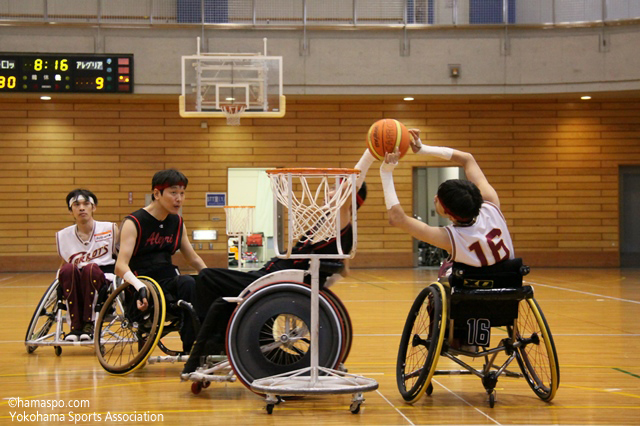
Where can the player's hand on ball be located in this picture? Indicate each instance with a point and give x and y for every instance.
(390, 161)
(415, 143)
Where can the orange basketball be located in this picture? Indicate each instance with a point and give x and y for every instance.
(387, 134)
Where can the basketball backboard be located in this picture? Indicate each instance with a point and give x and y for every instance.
(214, 81)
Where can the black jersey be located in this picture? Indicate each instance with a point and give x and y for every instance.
(307, 247)
(157, 241)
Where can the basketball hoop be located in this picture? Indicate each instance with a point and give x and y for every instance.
(313, 198)
(239, 220)
(233, 112)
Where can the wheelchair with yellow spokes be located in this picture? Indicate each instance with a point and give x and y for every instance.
(456, 316)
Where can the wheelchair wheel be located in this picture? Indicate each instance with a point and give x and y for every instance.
(44, 317)
(421, 342)
(538, 358)
(268, 333)
(347, 331)
(127, 336)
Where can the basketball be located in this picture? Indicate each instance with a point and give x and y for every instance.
(387, 134)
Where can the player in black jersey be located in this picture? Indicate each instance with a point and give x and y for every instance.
(150, 236)
(213, 284)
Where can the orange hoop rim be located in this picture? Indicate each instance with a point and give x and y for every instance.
(233, 108)
(239, 207)
(313, 171)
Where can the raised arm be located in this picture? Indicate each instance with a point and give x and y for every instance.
(471, 168)
(434, 235)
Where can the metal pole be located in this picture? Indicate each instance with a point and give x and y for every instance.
(314, 268)
(355, 12)
(454, 12)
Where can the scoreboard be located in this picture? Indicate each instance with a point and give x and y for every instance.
(66, 73)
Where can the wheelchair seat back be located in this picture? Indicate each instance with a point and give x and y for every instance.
(488, 294)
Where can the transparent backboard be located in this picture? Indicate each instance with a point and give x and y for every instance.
(211, 82)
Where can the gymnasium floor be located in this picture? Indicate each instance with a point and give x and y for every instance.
(593, 314)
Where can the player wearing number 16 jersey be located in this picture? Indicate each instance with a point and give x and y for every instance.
(478, 235)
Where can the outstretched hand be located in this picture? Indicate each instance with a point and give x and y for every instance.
(415, 141)
(390, 160)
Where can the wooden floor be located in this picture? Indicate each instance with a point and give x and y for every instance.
(593, 314)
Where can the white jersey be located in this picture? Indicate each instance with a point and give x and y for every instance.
(99, 249)
(486, 242)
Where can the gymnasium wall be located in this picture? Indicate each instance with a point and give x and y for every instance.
(554, 162)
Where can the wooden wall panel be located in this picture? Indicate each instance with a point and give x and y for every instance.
(553, 162)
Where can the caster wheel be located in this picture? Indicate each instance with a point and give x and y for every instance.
(355, 408)
(492, 399)
(57, 350)
(270, 408)
(196, 387)
(429, 389)
(206, 385)
(31, 349)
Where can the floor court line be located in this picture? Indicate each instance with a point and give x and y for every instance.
(395, 408)
(466, 402)
(584, 292)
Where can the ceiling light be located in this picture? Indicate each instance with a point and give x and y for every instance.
(45, 98)
(585, 98)
(408, 98)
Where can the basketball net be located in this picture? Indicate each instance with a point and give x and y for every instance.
(239, 220)
(233, 113)
(313, 198)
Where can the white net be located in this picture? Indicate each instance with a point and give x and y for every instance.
(233, 113)
(313, 198)
(239, 220)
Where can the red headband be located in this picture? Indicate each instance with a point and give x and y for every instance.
(163, 186)
(454, 216)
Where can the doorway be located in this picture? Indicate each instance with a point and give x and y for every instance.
(629, 224)
(425, 187)
(251, 187)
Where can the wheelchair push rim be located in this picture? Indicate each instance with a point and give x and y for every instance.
(125, 337)
(538, 359)
(421, 342)
(43, 318)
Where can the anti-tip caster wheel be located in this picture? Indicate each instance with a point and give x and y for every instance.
(355, 408)
(57, 350)
(206, 384)
(492, 399)
(269, 408)
(429, 390)
(196, 387)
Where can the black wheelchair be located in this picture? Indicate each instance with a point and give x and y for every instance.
(269, 331)
(455, 317)
(128, 336)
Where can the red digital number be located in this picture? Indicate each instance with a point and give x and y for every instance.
(495, 246)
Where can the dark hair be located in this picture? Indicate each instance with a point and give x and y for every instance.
(361, 196)
(461, 198)
(84, 192)
(166, 178)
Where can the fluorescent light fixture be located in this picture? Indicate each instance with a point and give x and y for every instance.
(408, 98)
(205, 234)
(585, 98)
(230, 99)
(45, 98)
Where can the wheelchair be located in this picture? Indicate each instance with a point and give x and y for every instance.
(128, 336)
(49, 323)
(269, 331)
(456, 316)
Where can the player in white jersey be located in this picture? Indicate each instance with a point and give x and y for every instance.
(87, 249)
(478, 235)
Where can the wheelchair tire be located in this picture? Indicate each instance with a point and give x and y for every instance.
(347, 331)
(421, 342)
(538, 360)
(44, 317)
(268, 333)
(125, 336)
